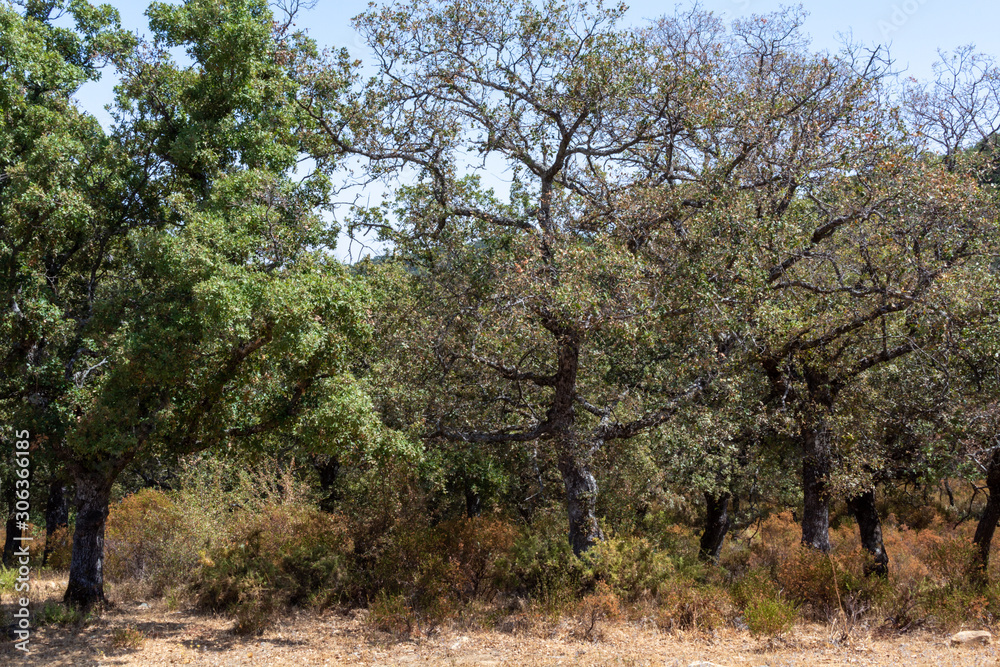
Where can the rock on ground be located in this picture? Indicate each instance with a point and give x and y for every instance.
(971, 637)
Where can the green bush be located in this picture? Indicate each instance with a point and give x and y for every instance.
(286, 556)
(56, 613)
(770, 616)
(542, 565)
(631, 566)
(765, 609)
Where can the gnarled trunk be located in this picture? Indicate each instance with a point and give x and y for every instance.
(56, 514)
(716, 525)
(870, 527)
(987, 525)
(581, 503)
(86, 571)
(816, 500)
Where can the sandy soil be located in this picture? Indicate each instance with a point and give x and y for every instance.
(184, 637)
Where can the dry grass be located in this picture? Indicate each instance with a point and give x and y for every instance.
(183, 637)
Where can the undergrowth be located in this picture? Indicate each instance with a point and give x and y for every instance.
(253, 547)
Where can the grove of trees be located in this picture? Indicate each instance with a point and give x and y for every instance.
(686, 254)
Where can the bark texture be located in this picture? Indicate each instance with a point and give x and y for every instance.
(816, 500)
(716, 525)
(86, 572)
(870, 527)
(581, 503)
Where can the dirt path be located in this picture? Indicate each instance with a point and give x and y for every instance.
(182, 637)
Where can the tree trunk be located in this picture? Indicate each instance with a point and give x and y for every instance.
(86, 571)
(716, 525)
(11, 544)
(56, 514)
(870, 527)
(581, 503)
(983, 538)
(328, 470)
(816, 500)
(473, 503)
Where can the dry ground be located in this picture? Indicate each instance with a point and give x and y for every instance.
(183, 637)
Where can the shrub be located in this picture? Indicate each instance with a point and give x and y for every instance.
(479, 548)
(686, 605)
(631, 566)
(770, 616)
(600, 605)
(765, 609)
(8, 579)
(60, 614)
(542, 564)
(128, 638)
(255, 607)
(286, 556)
(392, 614)
(809, 577)
(148, 541)
(61, 544)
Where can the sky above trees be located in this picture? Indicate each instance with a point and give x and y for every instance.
(915, 29)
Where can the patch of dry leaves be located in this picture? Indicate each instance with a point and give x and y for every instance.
(185, 637)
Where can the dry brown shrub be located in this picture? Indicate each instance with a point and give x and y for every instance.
(61, 542)
(475, 547)
(128, 638)
(148, 541)
(683, 605)
(601, 605)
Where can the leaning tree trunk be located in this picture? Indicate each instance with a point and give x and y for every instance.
(716, 525)
(86, 570)
(581, 502)
(983, 538)
(816, 500)
(870, 527)
(56, 514)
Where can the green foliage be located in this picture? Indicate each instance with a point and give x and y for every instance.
(8, 579)
(770, 616)
(718, 260)
(285, 556)
(765, 609)
(62, 614)
(542, 562)
(631, 566)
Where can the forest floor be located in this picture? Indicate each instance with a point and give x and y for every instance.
(184, 637)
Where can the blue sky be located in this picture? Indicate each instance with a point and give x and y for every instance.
(915, 29)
